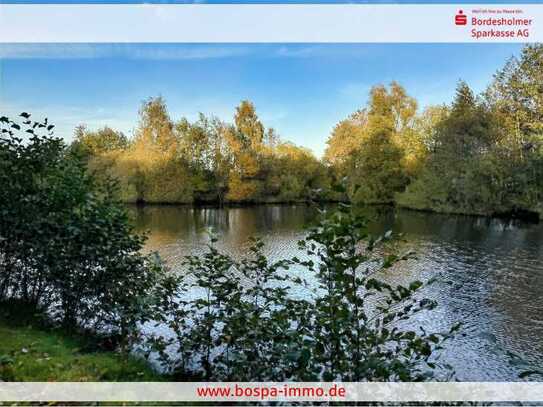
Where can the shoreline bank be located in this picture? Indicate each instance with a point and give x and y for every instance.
(530, 216)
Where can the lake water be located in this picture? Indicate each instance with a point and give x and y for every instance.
(490, 271)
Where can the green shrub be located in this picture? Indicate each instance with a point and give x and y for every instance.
(354, 327)
(249, 322)
(66, 244)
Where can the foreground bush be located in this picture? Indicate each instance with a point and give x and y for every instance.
(254, 321)
(66, 245)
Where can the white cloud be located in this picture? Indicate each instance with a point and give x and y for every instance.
(173, 51)
(322, 51)
(297, 52)
(193, 52)
(130, 51)
(50, 51)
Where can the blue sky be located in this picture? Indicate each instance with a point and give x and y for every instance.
(301, 90)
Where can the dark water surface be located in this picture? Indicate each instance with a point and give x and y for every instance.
(490, 271)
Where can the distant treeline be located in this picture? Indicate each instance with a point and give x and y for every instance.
(204, 161)
(479, 155)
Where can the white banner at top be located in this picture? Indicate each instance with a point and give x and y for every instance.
(270, 23)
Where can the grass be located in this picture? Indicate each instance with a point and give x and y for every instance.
(30, 352)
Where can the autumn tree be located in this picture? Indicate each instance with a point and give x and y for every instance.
(204, 147)
(371, 147)
(296, 175)
(153, 170)
(205, 160)
(345, 140)
(92, 143)
(100, 149)
(245, 140)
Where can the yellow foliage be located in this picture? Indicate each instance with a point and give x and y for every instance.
(209, 160)
(240, 190)
(345, 139)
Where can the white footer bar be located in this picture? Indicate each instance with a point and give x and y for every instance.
(254, 391)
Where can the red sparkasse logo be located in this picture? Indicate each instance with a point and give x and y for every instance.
(460, 18)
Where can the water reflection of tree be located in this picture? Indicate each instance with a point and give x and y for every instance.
(186, 226)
